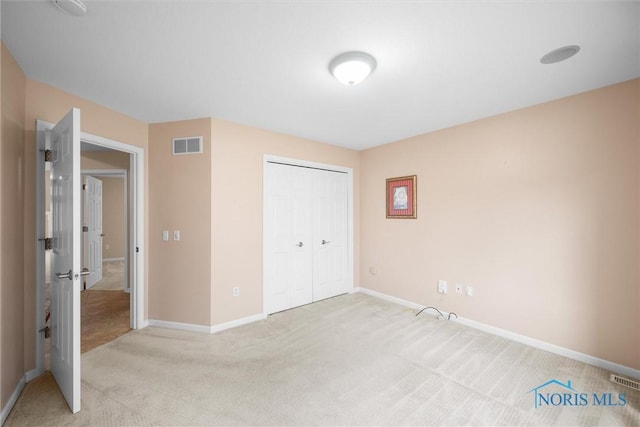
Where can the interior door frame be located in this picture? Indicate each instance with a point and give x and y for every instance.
(136, 239)
(269, 158)
(118, 173)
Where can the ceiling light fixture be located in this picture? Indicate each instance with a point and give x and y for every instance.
(72, 7)
(559, 54)
(351, 68)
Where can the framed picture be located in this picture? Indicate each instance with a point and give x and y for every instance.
(401, 197)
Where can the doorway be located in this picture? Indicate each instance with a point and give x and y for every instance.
(106, 296)
(133, 273)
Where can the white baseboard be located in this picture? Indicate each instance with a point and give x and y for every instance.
(542, 345)
(13, 399)
(235, 323)
(33, 374)
(389, 298)
(177, 325)
(205, 329)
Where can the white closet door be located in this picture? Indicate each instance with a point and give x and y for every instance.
(287, 233)
(305, 235)
(330, 234)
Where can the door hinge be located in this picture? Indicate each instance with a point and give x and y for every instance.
(137, 249)
(85, 229)
(84, 186)
(48, 155)
(48, 243)
(46, 330)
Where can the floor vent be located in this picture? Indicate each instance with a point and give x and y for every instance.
(635, 385)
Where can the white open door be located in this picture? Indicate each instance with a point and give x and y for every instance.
(66, 257)
(93, 229)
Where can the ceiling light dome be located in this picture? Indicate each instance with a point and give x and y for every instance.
(351, 68)
(72, 7)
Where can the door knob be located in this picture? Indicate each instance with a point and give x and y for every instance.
(300, 244)
(324, 242)
(85, 272)
(68, 275)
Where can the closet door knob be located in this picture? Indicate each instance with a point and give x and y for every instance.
(324, 242)
(300, 244)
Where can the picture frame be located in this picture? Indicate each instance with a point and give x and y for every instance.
(402, 197)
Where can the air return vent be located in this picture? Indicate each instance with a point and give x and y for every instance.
(188, 145)
(635, 385)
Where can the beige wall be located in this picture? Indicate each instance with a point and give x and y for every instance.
(105, 160)
(236, 209)
(537, 209)
(114, 241)
(180, 199)
(47, 103)
(12, 227)
(113, 216)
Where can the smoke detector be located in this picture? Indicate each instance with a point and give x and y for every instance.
(72, 7)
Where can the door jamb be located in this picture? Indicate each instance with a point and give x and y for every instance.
(136, 239)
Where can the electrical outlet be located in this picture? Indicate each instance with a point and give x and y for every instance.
(236, 291)
(458, 289)
(469, 291)
(442, 286)
(176, 235)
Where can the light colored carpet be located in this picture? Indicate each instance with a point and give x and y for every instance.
(112, 277)
(350, 360)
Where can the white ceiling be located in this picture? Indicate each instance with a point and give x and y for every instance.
(264, 64)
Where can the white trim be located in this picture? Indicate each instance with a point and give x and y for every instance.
(235, 323)
(13, 399)
(136, 238)
(533, 342)
(107, 173)
(305, 163)
(112, 259)
(389, 298)
(33, 374)
(350, 209)
(205, 329)
(177, 325)
(41, 145)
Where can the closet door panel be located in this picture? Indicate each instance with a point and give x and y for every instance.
(288, 255)
(330, 234)
(301, 252)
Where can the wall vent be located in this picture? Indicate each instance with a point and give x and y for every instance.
(634, 385)
(188, 145)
